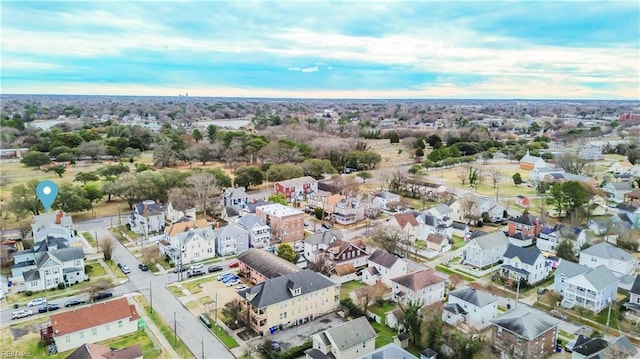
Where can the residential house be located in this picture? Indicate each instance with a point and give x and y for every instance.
(348, 211)
(631, 197)
(620, 167)
(590, 288)
(318, 199)
(95, 323)
(590, 153)
(391, 351)
(56, 223)
(616, 259)
(319, 242)
(259, 265)
(259, 233)
(620, 348)
(529, 162)
(526, 224)
(617, 191)
(469, 208)
(524, 333)
(565, 176)
(290, 299)
(147, 217)
(286, 223)
(193, 245)
(394, 319)
(589, 348)
(45, 269)
(408, 224)
(171, 231)
(424, 285)
(231, 239)
(296, 189)
(550, 237)
(382, 266)
(96, 351)
(471, 307)
(383, 199)
(340, 253)
(485, 250)
(350, 340)
(539, 174)
(173, 215)
(430, 223)
(526, 264)
(235, 196)
(459, 229)
(442, 212)
(231, 213)
(632, 213)
(438, 243)
(523, 200)
(634, 297)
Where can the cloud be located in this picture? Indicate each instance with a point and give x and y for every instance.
(304, 69)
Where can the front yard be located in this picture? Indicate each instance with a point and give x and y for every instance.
(349, 287)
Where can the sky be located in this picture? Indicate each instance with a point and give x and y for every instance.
(323, 49)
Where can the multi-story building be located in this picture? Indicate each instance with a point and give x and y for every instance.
(296, 189)
(231, 239)
(290, 299)
(616, 259)
(550, 237)
(526, 264)
(590, 288)
(147, 217)
(471, 307)
(382, 266)
(524, 333)
(348, 211)
(235, 196)
(50, 268)
(259, 265)
(192, 245)
(286, 223)
(424, 285)
(259, 233)
(485, 250)
(349, 340)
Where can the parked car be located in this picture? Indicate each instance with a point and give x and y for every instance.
(120, 265)
(241, 287)
(223, 275)
(275, 346)
(74, 302)
(48, 308)
(230, 278)
(22, 313)
(326, 225)
(212, 269)
(234, 264)
(125, 269)
(197, 266)
(195, 273)
(37, 301)
(101, 295)
(558, 314)
(180, 269)
(143, 267)
(542, 291)
(233, 282)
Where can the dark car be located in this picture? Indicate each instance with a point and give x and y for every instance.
(143, 267)
(101, 295)
(326, 225)
(48, 308)
(180, 269)
(212, 269)
(542, 291)
(72, 302)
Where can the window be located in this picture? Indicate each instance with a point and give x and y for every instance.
(67, 338)
(119, 323)
(106, 327)
(94, 331)
(82, 334)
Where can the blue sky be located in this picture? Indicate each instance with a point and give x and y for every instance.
(325, 49)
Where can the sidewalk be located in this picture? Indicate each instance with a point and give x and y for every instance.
(158, 338)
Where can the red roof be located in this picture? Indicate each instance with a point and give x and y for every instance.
(92, 316)
(404, 218)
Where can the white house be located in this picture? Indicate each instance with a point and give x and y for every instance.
(349, 340)
(173, 215)
(94, 323)
(525, 264)
(147, 217)
(424, 285)
(634, 297)
(529, 162)
(235, 196)
(320, 242)
(486, 249)
(431, 224)
(471, 307)
(231, 239)
(259, 233)
(49, 268)
(340, 253)
(408, 224)
(54, 224)
(590, 288)
(192, 245)
(616, 259)
(538, 174)
(617, 190)
(383, 199)
(590, 153)
(469, 208)
(550, 237)
(620, 167)
(382, 266)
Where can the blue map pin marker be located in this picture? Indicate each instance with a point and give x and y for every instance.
(47, 192)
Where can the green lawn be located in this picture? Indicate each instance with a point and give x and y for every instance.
(224, 337)
(114, 268)
(177, 344)
(89, 238)
(194, 286)
(177, 292)
(95, 270)
(349, 287)
(447, 270)
(385, 334)
(380, 310)
(52, 294)
(458, 242)
(139, 337)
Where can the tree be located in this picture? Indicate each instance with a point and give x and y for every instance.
(316, 168)
(364, 175)
(35, 159)
(92, 149)
(286, 252)
(570, 196)
(197, 135)
(565, 250)
(66, 157)
(495, 174)
(86, 177)
(517, 179)
(109, 172)
(320, 264)
(387, 238)
(469, 209)
(248, 176)
(205, 186)
(164, 154)
(93, 192)
(106, 245)
(465, 346)
(204, 153)
(24, 200)
(369, 295)
(284, 171)
(461, 173)
(71, 199)
(212, 131)
(413, 318)
(57, 169)
(277, 198)
(126, 188)
(571, 163)
(432, 322)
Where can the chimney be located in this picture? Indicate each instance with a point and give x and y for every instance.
(59, 216)
(537, 229)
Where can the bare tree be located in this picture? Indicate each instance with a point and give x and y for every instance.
(397, 180)
(495, 173)
(204, 186)
(106, 245)
(387, 238)
(320, 264)
(370, 295)
(98, 286)
(462, 172)
(183, 198)
(151, 255)
(571, 163)
(454, 281)
(469, 209)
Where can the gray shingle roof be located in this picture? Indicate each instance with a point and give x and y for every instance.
(526, 219)
(276, 290)
(419, 279)
(267, 264)
(527, 255)
(351, 333)
(383, 258)
(636, 285)
(454, 308)
(473, 296)
(599, 277)
(250, 220)
(324, 237)
(609, 251)
(491, 240)
(66, 254)
(526, 322)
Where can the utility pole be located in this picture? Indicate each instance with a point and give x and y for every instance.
(517, 293)
(175, 329)
(151, 296)
(215, 310)
(609, 314)
(202, 342)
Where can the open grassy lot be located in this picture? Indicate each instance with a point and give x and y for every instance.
(349, 287)
(89, 238)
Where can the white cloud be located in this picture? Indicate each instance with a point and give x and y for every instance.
(310, 69)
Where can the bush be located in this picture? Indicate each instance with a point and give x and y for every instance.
(296, 352)
(61, 285)
(87, 268)
(28, 293)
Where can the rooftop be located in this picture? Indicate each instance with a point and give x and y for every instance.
(351, 333)
(267, 264)
(419, 279)
(473, 296)
(527, 255)
(526, 322)
(279, 210)
(96, 314)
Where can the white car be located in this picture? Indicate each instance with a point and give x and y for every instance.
(241, 287)
(232, 283)
(37, 302)
(125, 269)
(22, 313)
(197, 266)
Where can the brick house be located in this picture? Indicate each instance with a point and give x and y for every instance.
(524, 333)
(286, 223)
(259, 265)
(296, 189)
